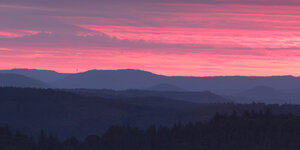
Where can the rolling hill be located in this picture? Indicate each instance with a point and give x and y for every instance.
(267, 95)
(67, 114)
(16, 80)
(109, 79)
(204, 97)
(137, 79)
(42, 75)
(165, 87)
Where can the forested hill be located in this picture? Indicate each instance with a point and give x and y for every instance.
(204, 97)
(249, 131)
(67, 114)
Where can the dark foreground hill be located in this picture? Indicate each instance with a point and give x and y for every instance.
(68, 114)
(246, 131)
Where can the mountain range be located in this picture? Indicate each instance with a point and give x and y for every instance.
(42, 75)
(137, 79)
(89, 102)
(270, 89)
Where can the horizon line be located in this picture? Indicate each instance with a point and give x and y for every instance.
(287, 75)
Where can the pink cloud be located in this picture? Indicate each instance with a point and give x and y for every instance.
(218, 37)
(5, 49)
(200, 36)
(17, 33)
(169, 64)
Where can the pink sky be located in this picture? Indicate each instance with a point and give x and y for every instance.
(194, 38)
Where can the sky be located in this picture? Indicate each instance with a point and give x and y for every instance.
(169, 37)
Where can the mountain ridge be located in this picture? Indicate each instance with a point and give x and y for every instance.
(17, 80)
(41, 75)
(123, 79)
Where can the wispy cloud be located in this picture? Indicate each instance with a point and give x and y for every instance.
(206, 37)
(17, 33)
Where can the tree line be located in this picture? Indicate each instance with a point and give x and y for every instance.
(247, 131)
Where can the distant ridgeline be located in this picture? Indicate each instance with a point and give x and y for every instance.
(137, 79)
(246, 131)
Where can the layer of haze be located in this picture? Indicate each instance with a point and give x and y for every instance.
(170, 37)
